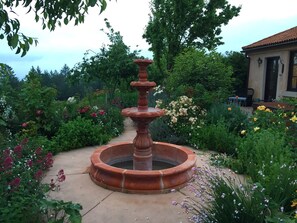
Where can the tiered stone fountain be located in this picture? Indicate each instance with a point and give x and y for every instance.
(143, 166)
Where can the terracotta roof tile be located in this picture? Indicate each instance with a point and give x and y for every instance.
(279, 38)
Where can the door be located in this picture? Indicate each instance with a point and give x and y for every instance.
(271, 78)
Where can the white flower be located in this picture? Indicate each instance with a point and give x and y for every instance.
(71, 100)
(192, 120)
(174, 119)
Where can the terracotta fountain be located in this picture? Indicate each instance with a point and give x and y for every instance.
(142, 166)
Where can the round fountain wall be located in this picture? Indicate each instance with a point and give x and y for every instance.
(104, 170)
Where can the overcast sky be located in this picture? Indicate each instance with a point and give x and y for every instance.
(66, 45)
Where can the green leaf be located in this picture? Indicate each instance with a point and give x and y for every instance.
(92, 3)
(7, 28)
(36, 18)
(18, 50)
(103, 5)
(1, 36)
(30, 40)
(24, 52)
(66, 21)
(14, 40)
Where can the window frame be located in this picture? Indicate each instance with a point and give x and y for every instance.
(290, 74)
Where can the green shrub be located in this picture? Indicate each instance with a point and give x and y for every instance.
(126, 99)
(232, 116)
(162, 132)
(266, 158)
(79, 133)
(215, 137)
(202, 76)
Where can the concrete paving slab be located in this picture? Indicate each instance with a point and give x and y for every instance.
(80, 189)
(72, 162)
(124, 208)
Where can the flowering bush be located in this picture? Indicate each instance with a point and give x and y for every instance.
(264, 118)
(183, 115)
(22, 195)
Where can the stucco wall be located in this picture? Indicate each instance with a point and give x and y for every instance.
(257, 73)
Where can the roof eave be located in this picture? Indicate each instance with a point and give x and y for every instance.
(246, 50)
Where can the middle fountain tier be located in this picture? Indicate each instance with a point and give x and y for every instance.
(142, 115)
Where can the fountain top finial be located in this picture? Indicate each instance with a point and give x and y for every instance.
(142, 62)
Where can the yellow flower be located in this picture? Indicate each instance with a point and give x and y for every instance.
(261, 108)
(268, 110)
(229, 108)
(294, 203)
(255, 119)
(256, 129)
(285, 115)
(243, 132)
(294, 118)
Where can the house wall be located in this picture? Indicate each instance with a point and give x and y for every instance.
(257, 73)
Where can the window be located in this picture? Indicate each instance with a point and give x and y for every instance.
(292, 80)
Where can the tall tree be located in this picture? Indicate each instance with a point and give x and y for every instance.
(112, 65)
(50, 13)
(240, 65)
(177, 24)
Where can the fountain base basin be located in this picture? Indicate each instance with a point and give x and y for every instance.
(172, 168)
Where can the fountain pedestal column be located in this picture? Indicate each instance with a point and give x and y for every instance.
(142, 156)
(142, 115)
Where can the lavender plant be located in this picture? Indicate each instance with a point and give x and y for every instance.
(220, 198)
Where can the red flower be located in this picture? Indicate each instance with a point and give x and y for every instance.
(38, 151)
(84, 109)
(61, 178)
(6, 152)
(8, 162)
(38, 175)
(16, 182)
(94, 115)
(101, 112)
(25, 124)
(39, 112)
(61, 172)
(48, 161)
(18, 150)
(30, 163)
(24, 141)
